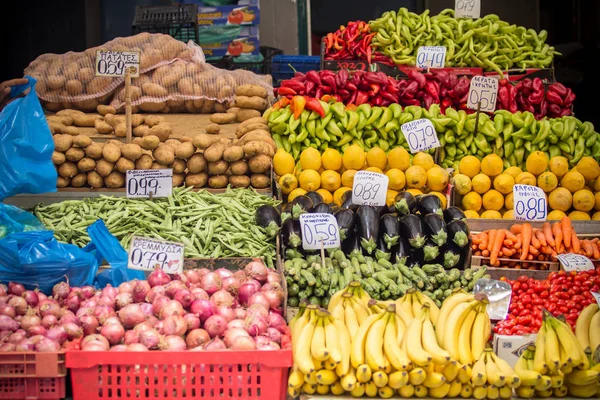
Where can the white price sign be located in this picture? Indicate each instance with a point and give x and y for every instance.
(143, 182)
(319, 228)
(467, 8)
(420, 135)
(596, 296)
(146, 254)
(369, 188)
(483, 90)
(431, 57)
(575, 262)
(529, 203)
(115, 63)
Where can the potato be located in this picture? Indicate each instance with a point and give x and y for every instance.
(55, 81)
(70, 130)
(154, 90)
(173, 143)
(233, 153)
(185, 150)
(86, 164)
(111, 152)
(62, 182)
(258, 136)
(141, 131)
(86, 75)
(214, 152)
(115, 180)
(222, 118)
(185, 139)
(217, 181)
(255, 120)
(117, 143)
(84, 120)
(144, 162)
(67, 169)
(113, 120)
(56, 127)
(196, 163)
(260, 181)
(186, 86)
(137, 140)
(152, 120)
(79, 180)
(152, 107)
(239, 181)
(196, 180)
(82, 141)
(179, 166)
(164, 154)
(178, 179)
(103, 110)
(121, 130)
(251, 90)
(70, 112)
(137, 120)
(260, 164)
(239, 167)
(157, 165)
(123, 165)
(233, 110)
(221, 107)
(245, 114)
(61, 119)
(150, 142)
(62, 142)
(162, 131)
(94, 150)
(218, 167)
(103, 127)
(208, 107)
(242, 130)
(203, 140)
(58, 158)
(131, 151)
(104, 167)
(213, 129)
(95, 180)
(74, 87)
(255, 148)
(254, 103)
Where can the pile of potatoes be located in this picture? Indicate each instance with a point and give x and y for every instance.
(250, 102)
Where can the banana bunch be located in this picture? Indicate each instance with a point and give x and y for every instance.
(409, 306)
(587, 328)
(492, 377)
(534, 383)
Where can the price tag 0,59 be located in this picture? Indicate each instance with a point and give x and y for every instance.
(420, 135)
(146, 254)
(575, 262)
(319, 228)
(529, 203)
(147, 182)
(431, 57)
(483, 90)
(369, 188)
(467, 8)
(115, 63)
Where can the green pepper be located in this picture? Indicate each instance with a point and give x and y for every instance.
(386, 117)
(302, 135)
(507, 131)
(552, 138)
(554, 151)
(509, 147)
(564, 146)
(520, 134)
(313, 115)
(450, 151)
(543, 133)
(311, 128)
(470, 125)
(489, 130)
(469, 140)
(286, 144)
(588, 129)
(304, 117)
(283, 117)
(449, 136)
(527, 146)
(371, 137)
(365, 109)
(296, 150)
(576, 134)
(362, 121)
(498, 123)
(396, 109)
(589, 142)
(375, 113)
(517, 120)
(482, 143)
(462, 146)
(461, 121)
(292, 138)
(596, 149)
(569, 129)
(325, 106)
(392, 126)
(416, 111)
(325, 121)
(345, 139)
(273, 115)
(338, 109)
(579, 150)
(277, 140)
(280, 129)
(571, 142)
(519, 143)
(558, 127)
(404, 118)
(519, 155)
(452, 113)
(383, 144)
(512, 160)
(529, 119)
(533, 128)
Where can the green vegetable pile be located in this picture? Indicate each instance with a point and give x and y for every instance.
(209, 225)
(487, 42)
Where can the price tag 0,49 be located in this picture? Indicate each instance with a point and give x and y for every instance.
(115, 63)
(575, 262)
(319, 228)
(467, 8)
(483, 90)
(369, 188)
(529, 203)
(146, 254)
(431, 57)
(149, 182)
(420, 135)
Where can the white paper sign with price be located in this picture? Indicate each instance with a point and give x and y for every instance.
(142, 182)
(467, 8)
(115, 63)
(431, 57)
(369, 188)
(485, 90)
(575, 262)
(596, 296)
(146, 254)
(529, 203)
(420, 135)
(319, 228)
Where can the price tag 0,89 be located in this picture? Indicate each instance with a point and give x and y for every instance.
(467, 8)
(149, 182)
(575, 262)
(420, 135)
(483, 90)
(115, 63)
(431, 57)
(319, 228)
(146, 254)
(369, 188)
(529, 203)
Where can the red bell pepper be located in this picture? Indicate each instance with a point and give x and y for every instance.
(286, 91)
(281, 103)
(312, 104)
(299, 102)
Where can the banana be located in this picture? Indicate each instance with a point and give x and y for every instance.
(494, 375)
(348, 381)
(450, 370)
(414, 346)
(438, 355)
(336, 298)
(332, 341)
(528, 377)
(350, 320)
(326, 377)
(296, 378)
(569, 341)
(330, 365)
(302, 354)
(359, 390)
(407, 391)
(582, 377)
(357, 353)
(552, 350)
(464, 374)
(397, 379)
(421, 391)
(512, 379)
(492, 392)
(337, 389)
(400, 327)
(309, 388)
(582, 327)
(374, 343)
(544, 384)
(452, 327)
(370, 389)
(380, 379)
(558, 380)
(322, 389)
(391, 349)
(544, 393)
(539, 358)
(338, 311)
(345, 343)
(480, 392)
(416, 376)
(434, 380)
(311, 378)
(360, 293)
(505, 392)
(583, 391)
(466, 391)
(300, 323)
(478, 373)
(318, 350)
(293, 392)
(479, 333)
(561, 391)
(455, 389)
(439, 392)
(434, 310)
(464, 338)
(404, 303)
(525, 392)
(595, 331)
(386, 392)
(363, 373)
(416, 305)
(362, 312)
(447, 306)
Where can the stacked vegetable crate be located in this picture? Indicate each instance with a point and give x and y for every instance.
(32, 375)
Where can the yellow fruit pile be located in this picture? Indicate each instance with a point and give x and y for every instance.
(487, 188)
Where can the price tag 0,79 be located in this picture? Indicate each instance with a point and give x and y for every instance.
(467, 8)
(146, 254)
(575, 262)
(115, 63)
(369, 188)
(149, 182)
(420, 135)
(319, 228)
(484, 91)
(431, 57)
(529, 203)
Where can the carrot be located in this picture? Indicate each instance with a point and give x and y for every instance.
(530, 257)
(535, 242)
(516, 228)
(485, 253)
(575, 242)
(508, 252)
(533, 251)
(492, 239)
(508, 243)
(557, 230)
(518, 243)
(484, 241)
(511, 236)
(596, 252)
(477, 239)
(497, 245)
(527, 233)
(567, 230)
(539, 234)
(547, 229)
(477, 253)
(588, 248)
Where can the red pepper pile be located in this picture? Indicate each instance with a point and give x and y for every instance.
(439, 87)
(529, 95)
(560, 100)
(353, 42)
(507, 96)
(563, 293)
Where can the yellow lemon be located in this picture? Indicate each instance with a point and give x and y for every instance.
(309, 180)
(295, 193)
(596, 216)
(376, 158)
(348, 177)
(374, 169)
(492, 165)
(310, 158)
(537, 162)
(510, 214)
(583, 200)
(283, 162)
(390, 196)
(597, 185)
(597, 201)
(416, 177)
(424, 160)
(560, 199)
(493, 200)
(331, 159)
(397, 179)
(399, 158)
(337, 196)
(504, 183)
(462, 184)
(472, 201)
(579, 216)
(559, 166)
(414, 192)
(437, 178)
(588, 167)
(469, 166)
(442, 198)
(491, 214)
(573, 181)
(326, 195)
(547, 181)
(471, 214)
(513, 171)
(555, 215)
(525, 178)
(354, 157)
(330, 180)
(288, 182)
(509, 201)
(481, 183)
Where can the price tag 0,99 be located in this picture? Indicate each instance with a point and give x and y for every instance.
(369, 188)
(149, 182)
(467, 8)
(596, 296)
(483, 90)
(146, 254)
(420, 135)
(115, 63)
(575, 262)
(431, 57)
(529, 203)
(319, 228)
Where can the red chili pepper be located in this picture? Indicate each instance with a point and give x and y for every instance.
(293, 84)
(558, 88)
(313, 104)
(281, 103)
(286, 91)
(554, 98)
(299, 102)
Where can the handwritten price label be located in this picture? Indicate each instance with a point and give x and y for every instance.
(484, 90)
(317, 228)
(115, 63)
(529, 203)
(575, 262)
(467, 8)
(146, 254)
(420, 135)
(369, 188)
(596, 296)
(142, 182)
(431, 57)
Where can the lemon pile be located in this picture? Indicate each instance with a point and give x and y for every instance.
(487, 188)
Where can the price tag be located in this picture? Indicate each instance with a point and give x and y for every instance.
(467, 8)
(596, 296)
(369, 188)
(529, 203)
(484, 90)
(431, 57)
(142, 182)
(146, 254)
(317, 228)
(420, 135)
(115, 63)
(575, 262)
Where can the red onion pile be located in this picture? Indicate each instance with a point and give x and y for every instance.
(198, 310)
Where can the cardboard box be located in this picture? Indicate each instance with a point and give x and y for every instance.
(510, 348)
(244, 12)
(246, 42)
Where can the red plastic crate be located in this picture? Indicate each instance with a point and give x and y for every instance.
(31, 375)
(179, 375)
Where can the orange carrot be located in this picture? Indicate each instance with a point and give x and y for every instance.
(546, 250)
(508, 252)
(511, 236)
(484, 241)
(477, 253)
(533, 251)
(557, 230)
(567, 230)
(539, 234)
(477, 239)
(497, 245)
(485, 253)
(527, 233)
(596, 253)
(516, 228)
(535, 242)
(575, 242)
(492, 240)
(518, 244)
(547, 228)
(588, 248)
(508, 243)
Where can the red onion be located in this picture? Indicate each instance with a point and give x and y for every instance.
(113, 333)
(112, 321)
(152, 320)
(122, 300)
(236, 323)
(37, 330)
(73, 330)
(4, 300)
(95, 343)
(15, 289)
(75, 291)
(192, 276)
(158, 277)
(173, 287)
(179, 277)
(158, 303)
(30, 319)
(173, 343)
(200, 293)
(231, 284)
(140, 290)
(226, 313)
(203, 309)
(240, 313)
(256, 325)
(144, 326)
(147, 309)
(31, 298)
(49, 321)
(211, 282)
(119, 347)
(185, 297)
(41, 296)
(16, 337)
(268, 346)
(19, 304)
(3, 290)
(274, 297)
(215, 344)
(6, 347)
(274, 335)
(85, 311)
(110, 291)
(103, 312)
(89, 324)
(131, 315)
(259, 298)
(174, 325)
(232, 334)
(89, 303)
(192, 321)
(203, 271)
(241, 275)
(73, 302)
(88, 292)
(7, 310)
(196, 337)
(222, 298)
(8, 324)
(150, 338)
(58, 333)
(154, 292)
(276, 321)
(171, 308)
(137, 347)
(126, 287)
(256, 270)
(4, 335)
(243, 343)
(224, 273)
(25, 345)
(258, 309)
(69, 318)
(106, 301)
(131, 337)
(49, 307)
(215, 326)
(61, 290)
(246, 291)
(273, 277)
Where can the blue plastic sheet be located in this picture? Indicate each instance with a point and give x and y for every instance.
(26, 145)
(15, 220)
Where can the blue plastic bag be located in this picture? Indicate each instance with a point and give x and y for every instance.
(106, 247)
(26, 145)
(15, 220)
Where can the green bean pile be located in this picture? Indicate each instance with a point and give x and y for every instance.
(488, 42)
(209, 225)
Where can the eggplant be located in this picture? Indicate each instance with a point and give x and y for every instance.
(390, 229)
(452, 255)
(345, 219)
(465, 257)
(291, 233)
(405, 203)
(269, 218)
(458, 233)
(416, 257)
(351, 245)
(382, 252)
(412, 227)
(300, 205)
(430, 251)
(315, 197)
(322, 208)
(435, 228)
(347, 201)
(429, 203)
(367, 227)
(401, 252)
(454, 213)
